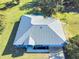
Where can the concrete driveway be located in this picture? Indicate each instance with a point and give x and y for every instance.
(56, 53)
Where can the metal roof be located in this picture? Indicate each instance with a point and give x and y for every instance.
(37, 30)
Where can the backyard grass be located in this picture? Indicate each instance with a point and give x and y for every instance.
(12, 15)
(72, 22)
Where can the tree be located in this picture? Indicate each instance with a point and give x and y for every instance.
(45, 7)
(76, 3)
(72, 49)
(71, 5)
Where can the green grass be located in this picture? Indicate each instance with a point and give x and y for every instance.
(2, 5)
(72, 22)
(11, 17)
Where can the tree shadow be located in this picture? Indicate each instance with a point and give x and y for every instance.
(10, 49)
(27, 6)
(13, 50)
(8, 5)
(31, 5)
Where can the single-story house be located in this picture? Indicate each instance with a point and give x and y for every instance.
(38, 34)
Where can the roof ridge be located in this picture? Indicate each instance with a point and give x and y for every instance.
(23, 35)
(57, 32)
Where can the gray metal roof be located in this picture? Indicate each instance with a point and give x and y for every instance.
(37, 30)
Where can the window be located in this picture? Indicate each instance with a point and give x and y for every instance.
(40, 47)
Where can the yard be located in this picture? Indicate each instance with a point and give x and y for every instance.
(72, 22)
(12, 15)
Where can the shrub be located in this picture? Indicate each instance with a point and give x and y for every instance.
(2, 5)
(1, 27)
(72, 49)
(1, 23)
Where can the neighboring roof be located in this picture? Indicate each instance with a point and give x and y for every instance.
(37, 30)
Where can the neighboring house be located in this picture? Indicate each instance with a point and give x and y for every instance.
(38, 34)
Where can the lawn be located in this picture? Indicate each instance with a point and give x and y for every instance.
(72, 22)
(12, 16)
